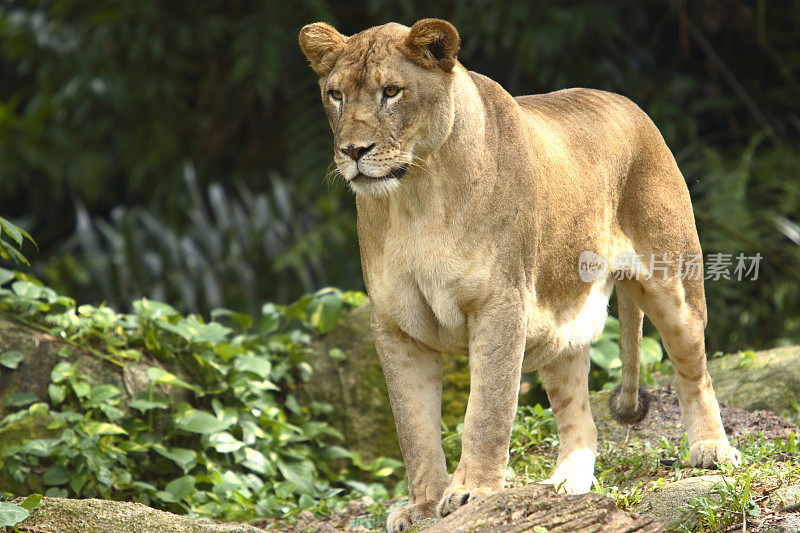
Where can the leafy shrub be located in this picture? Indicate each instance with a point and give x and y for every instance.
(230, 250)
(242, 446)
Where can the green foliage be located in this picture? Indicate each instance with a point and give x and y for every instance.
(237, 444)
(629, 473)
(18, 237)
(759, 313)
(12, 514)
(533, 443)
(105, 105)
(739, 498)
(606, 368)
(230, 251)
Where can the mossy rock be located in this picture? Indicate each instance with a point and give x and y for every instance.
(41, 352)
(348, 376)
(63, 515)
(669, 504)
(766, 380)
(12, 438)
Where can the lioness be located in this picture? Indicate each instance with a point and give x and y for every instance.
(473, 210)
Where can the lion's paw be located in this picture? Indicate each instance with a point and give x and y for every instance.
(401, 518)
(575, 475)
(457, 496)
(709, 453)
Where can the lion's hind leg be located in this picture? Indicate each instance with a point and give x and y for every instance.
(677, 308)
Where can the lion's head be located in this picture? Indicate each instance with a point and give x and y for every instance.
(387, 93)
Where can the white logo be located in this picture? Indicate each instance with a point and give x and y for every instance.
(591, 266)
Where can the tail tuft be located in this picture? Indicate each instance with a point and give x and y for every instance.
(629, 409)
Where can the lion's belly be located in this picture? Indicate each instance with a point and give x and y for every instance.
(548, 338)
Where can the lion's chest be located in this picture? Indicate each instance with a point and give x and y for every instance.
(423, 290)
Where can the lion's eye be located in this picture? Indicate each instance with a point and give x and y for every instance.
(391, 90)
(335, 94)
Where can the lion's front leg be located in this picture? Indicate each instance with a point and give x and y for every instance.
(414, 380)
(496, 349)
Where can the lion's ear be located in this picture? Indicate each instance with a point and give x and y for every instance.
(433, 43)
(322, 45)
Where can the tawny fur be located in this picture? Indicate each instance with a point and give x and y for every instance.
(476, 248)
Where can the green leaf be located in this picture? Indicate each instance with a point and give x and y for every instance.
(55, 475)
(26, 289)
(354, 298)
(32, 502)
(337, 354)
(300, 473)
(57, 393)
(270, 319)
(11, 515)
(178, 489)
(255, 461)
(20, 399)
(385, 466)
(6, 275)
(143, 404)
(605, 354)
(103, 393)
(259, 366)
(62, 371)
(102, 428)
(243, 320)
(325, 311)
(11, 359)
(81, 388)
(159, 376)
(196, 421)
(12, 231)
(651, 351)
(185, 459)
(153, 310)
(224, 442)
(40, 447)
(611, 328)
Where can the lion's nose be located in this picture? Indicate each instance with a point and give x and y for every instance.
(355, 152)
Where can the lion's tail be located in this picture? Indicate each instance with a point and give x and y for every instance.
(629, 403)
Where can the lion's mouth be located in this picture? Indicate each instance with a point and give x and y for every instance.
(395, 174)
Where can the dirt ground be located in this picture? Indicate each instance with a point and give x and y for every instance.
(663, 420)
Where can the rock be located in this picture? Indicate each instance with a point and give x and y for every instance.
(524, 508)
(765, 380)
(63, 515)
(665, 504)
(785, 524)
(347, 375)
(784, 497)
(41, 352)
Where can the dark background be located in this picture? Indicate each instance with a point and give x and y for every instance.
(177, 149)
